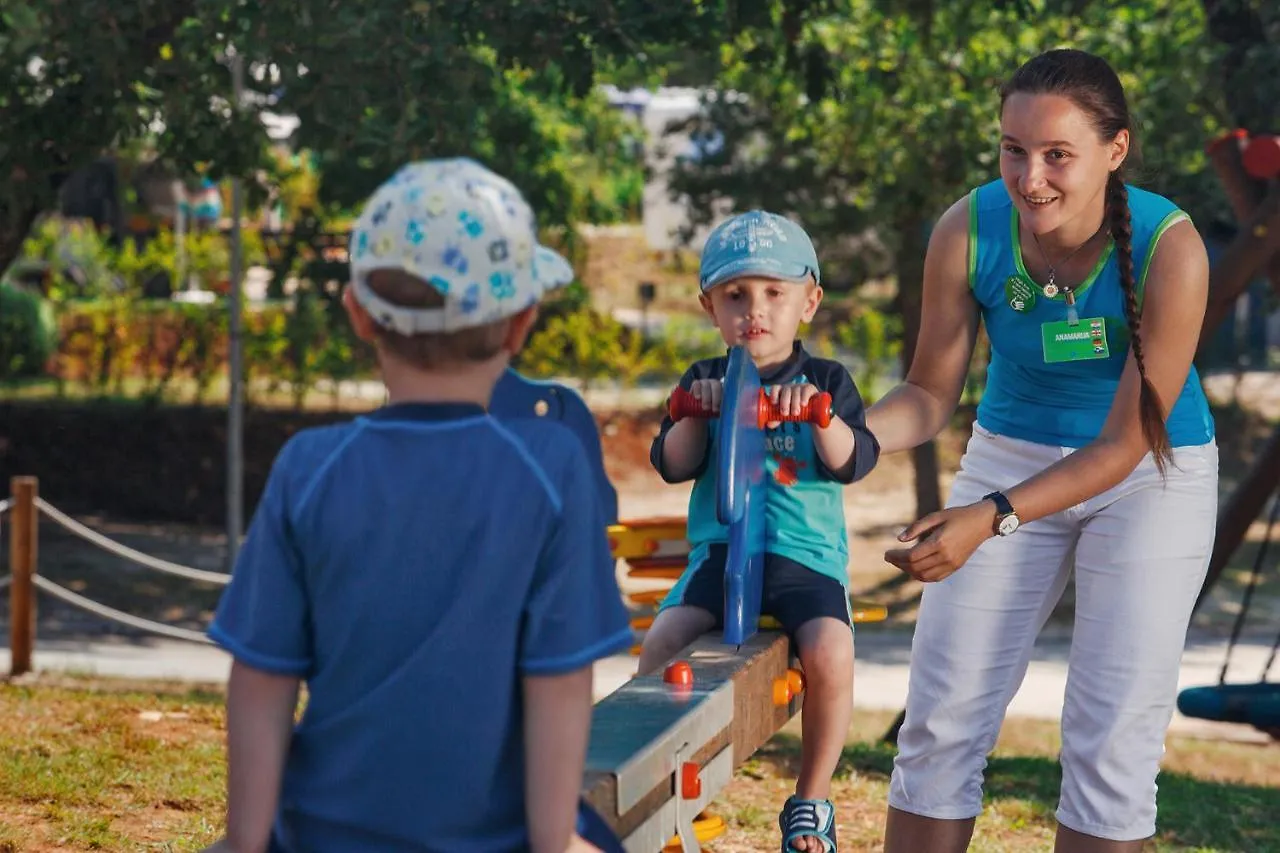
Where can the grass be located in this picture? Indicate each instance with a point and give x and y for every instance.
(88, 768)
(107, 765)
(1214, 796)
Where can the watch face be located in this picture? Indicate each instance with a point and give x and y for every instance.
(1008, 524)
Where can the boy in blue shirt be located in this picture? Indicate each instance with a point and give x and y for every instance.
(760, 280)
(441, 581)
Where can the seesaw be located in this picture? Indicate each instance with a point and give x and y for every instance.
(663, 746)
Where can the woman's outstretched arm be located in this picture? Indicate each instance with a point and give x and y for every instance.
(917, 410)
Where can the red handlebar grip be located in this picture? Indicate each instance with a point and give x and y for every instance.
(817, 411)
(684, 405)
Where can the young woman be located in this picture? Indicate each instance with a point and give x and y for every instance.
(1093, 450)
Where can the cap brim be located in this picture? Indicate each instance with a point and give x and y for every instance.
(551, 270)
(763, 267)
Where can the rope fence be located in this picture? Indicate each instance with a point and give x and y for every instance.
(24, 508)
(117, 615)
(113, 547)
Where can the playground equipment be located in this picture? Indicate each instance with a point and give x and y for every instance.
(1257, 705)
(662, 746)
(1248, 166)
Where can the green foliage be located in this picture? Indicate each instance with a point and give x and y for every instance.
(888, 118)
(163, 350)
(875, 337)
(1250, 68)
(592, 347)
(76, 262)
(373, 85)
(28, 333)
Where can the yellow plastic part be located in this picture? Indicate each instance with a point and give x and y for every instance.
(640, 539)
(864, 612)
(706, 827)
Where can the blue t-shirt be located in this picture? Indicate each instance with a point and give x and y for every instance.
(1063, 403)
(412, 565)
(804, 505)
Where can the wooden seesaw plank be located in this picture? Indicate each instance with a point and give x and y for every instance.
(643, 733)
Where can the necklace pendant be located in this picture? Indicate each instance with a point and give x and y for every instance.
(1050, 290)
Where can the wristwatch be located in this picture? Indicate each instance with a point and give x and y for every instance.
(1007, 520)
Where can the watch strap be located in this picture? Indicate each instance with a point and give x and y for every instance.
(1003, 507)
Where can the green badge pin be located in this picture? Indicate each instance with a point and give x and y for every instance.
(1019, 293)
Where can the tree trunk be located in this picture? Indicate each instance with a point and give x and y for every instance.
(1243, 191)
(1245, 258)
(14, 227)
(910, 267)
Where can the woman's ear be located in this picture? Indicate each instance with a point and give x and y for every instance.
(1119, 149)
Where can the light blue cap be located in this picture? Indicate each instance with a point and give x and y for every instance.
(758, 243)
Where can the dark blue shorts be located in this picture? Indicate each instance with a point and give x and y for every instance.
(793, 594)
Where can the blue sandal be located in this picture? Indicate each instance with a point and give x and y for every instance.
(814, 818)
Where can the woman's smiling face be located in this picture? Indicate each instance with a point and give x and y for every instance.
(1052, 160)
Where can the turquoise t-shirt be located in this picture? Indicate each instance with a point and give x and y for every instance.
(1063, 403)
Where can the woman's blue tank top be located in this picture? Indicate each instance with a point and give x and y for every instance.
(1062, 403)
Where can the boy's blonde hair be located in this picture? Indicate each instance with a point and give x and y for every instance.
(431, 350)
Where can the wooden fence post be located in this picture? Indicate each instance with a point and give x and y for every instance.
(22, 561)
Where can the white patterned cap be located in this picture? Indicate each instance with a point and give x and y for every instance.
(463, 230)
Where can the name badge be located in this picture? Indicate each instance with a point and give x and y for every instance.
(1080, 341)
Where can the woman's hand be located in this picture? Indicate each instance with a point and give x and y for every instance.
(947, 539)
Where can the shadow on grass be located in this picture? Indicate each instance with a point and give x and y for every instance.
(1193, 813)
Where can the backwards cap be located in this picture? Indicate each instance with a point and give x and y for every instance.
(463, 230)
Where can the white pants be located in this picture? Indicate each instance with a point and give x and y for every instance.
(1140, 552)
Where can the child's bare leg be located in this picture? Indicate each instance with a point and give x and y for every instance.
(826, 654)
(672, 630)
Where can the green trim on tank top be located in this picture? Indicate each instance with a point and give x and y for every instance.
(1172, 219)
(1061, 295)
(973, 239)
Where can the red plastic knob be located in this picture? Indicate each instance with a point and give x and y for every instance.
(1261, 157)
(678, 674)
(690, 781)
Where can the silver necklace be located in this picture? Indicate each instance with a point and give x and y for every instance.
(1051, 286)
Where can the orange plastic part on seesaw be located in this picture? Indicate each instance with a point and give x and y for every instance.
(788, 688)
(817, 411)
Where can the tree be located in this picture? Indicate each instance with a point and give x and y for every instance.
(871, 121)
(373, 85)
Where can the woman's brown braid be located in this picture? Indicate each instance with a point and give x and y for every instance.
(1150, 411)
